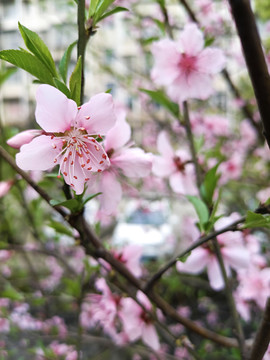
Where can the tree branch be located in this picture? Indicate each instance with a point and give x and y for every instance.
(262, 338)
(255, 59)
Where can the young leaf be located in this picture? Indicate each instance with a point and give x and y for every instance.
(254, 220)
(159, 97)
(34, 43)
(72, 204)
(209, 185)
(113, 11)
(11, 293)
(60, 228)
(201, 210)
(100, 9)
(62, 87)
(28, 62)
(91, 197)
(64, 62)
(75, 82)
(6, 73)
(92, 7)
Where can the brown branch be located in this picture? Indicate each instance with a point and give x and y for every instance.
(95, 248)
(262, 338)
(202, 240)
(255, 59)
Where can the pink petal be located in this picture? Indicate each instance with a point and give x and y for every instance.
(200, 85)
(166, 57)
(191, 40)
(164, 146)
(111, 192)
(163, 167)
(54, 111)
(195, 263)
(133, 162)
(97, 115)
(183, 183)
(144, 300)
(215, 275)
(39, 154)
(119, 135)
(23, 137)
(150, 337)
(236, 256)
(5, 187)
(211, 61)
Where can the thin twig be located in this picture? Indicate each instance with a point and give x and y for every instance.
(187, 125)
(228, 289)
(255, 59)
(202, 240)
(262, 338)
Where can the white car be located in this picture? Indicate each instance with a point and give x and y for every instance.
(147, 228)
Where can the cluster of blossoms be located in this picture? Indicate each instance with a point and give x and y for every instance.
(72, 138)
(119, 317)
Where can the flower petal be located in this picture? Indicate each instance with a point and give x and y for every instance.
(54, 111)
(215, 275)
(163, 167)
(97, 115)
(164, 146)
(166, 57)
(150, 337)
(120, 134)
(195, 263)
(23, 137)
(39, 154)
(211, 61)
(111, 192)
(191, 40)
(133, 162)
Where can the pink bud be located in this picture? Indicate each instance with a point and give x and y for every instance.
(23, 137)
(5, 187)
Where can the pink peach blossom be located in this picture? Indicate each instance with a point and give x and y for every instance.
(137, 323)
(5, 186)
(69, 134)
(24, 137)
(175, 165)
(124, 160)
(185, 68)
(232, 246)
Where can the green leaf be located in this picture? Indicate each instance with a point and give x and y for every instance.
(100, 9)
(159, 97)
(254, 220)
(28, 62)
(209, 185)
(92, 7)
(113, 11)
(201, 210)
(60, 228)
(11, 293)
(72, 204)
(160, 25)
(64, 62)
(73, 287)
(34, 43)
(91, 197)
(62, 87)
(75, 82)
(6, 73)
(184, 258)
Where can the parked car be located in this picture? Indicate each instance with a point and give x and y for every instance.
(149, 228)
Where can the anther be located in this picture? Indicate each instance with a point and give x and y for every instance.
(90, 168)
(79, 107)
(83, 165)
(97, 148)
(65, 173)
(72, 162)
(59, 176)
(75, 177)
(54, 146)
(101, 162)
(104, 156)
(99, 170)
(86, 179)
(87, 117)
(88, 161)
(65, 159)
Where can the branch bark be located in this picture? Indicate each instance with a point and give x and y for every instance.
(255, 59)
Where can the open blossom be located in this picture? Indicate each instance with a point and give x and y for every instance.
(232, 246)
(185, 67)
(136, 322)
(125, 160)
(175, 165)
(68, 136)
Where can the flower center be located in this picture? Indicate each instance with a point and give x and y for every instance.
(179, 164)
(188, 63)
